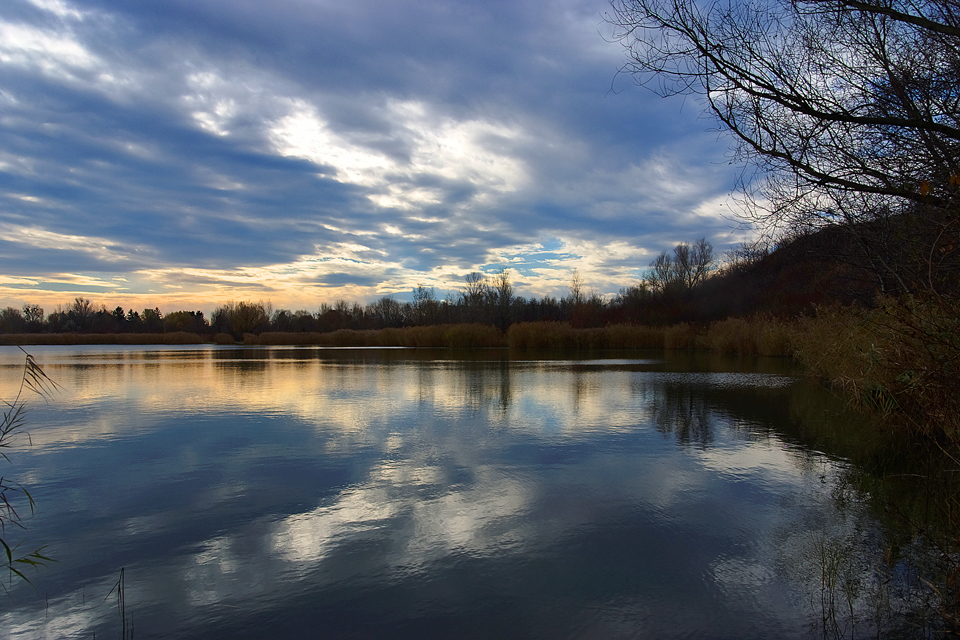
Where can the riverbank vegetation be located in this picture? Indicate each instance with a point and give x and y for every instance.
(897, 355)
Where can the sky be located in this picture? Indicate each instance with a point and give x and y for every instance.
(182, 154)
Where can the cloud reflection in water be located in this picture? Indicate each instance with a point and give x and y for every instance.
(309, 488)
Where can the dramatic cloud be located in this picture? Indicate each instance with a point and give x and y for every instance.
(181, 154)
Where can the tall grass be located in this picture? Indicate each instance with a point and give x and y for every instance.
(901, 358)
(473, 335)
(449, 335)
(540, 335)
(560, 335)
(33, 380)
(680, 336)
(174, 337)
(755, 336)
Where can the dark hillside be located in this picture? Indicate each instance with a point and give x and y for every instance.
(821, 268)
(816, 269)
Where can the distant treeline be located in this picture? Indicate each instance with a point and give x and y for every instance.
(682, 286)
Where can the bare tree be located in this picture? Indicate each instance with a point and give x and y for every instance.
(12, 320)
(387, 312)
(80, 313)
(503, 290)
(848, 109)
(683, 266)
(576, 288)
(475, 288)
(701, 261)
(661, 273)
(687, 268)
(33, 314)
(474, 297)
(424, 305)
(741, 257)
(237, 318)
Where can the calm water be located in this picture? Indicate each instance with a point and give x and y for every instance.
(276, 493)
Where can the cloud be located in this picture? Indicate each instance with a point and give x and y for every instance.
(339, 279)
(177, 138)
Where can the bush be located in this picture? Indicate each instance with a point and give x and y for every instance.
(560, 335)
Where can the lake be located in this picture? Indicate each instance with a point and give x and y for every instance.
(393, 493)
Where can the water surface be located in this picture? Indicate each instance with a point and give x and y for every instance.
(277, 492)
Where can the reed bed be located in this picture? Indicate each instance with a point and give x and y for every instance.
(437, 336)
(466, 336)
(755, 336)
(341, 338)
(426, 336)
(631, 336)
(560, 335)
(680, 336)
(901, 358)
(174, 337)
(539, 335)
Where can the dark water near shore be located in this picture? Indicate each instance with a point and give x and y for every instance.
(277, 493)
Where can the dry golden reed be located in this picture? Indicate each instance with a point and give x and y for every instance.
(679, 336)
(473, 335)
(901, 358)
(437, 336)
(174, 337)
(539, 335)
(560, 335)
(755, 336)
